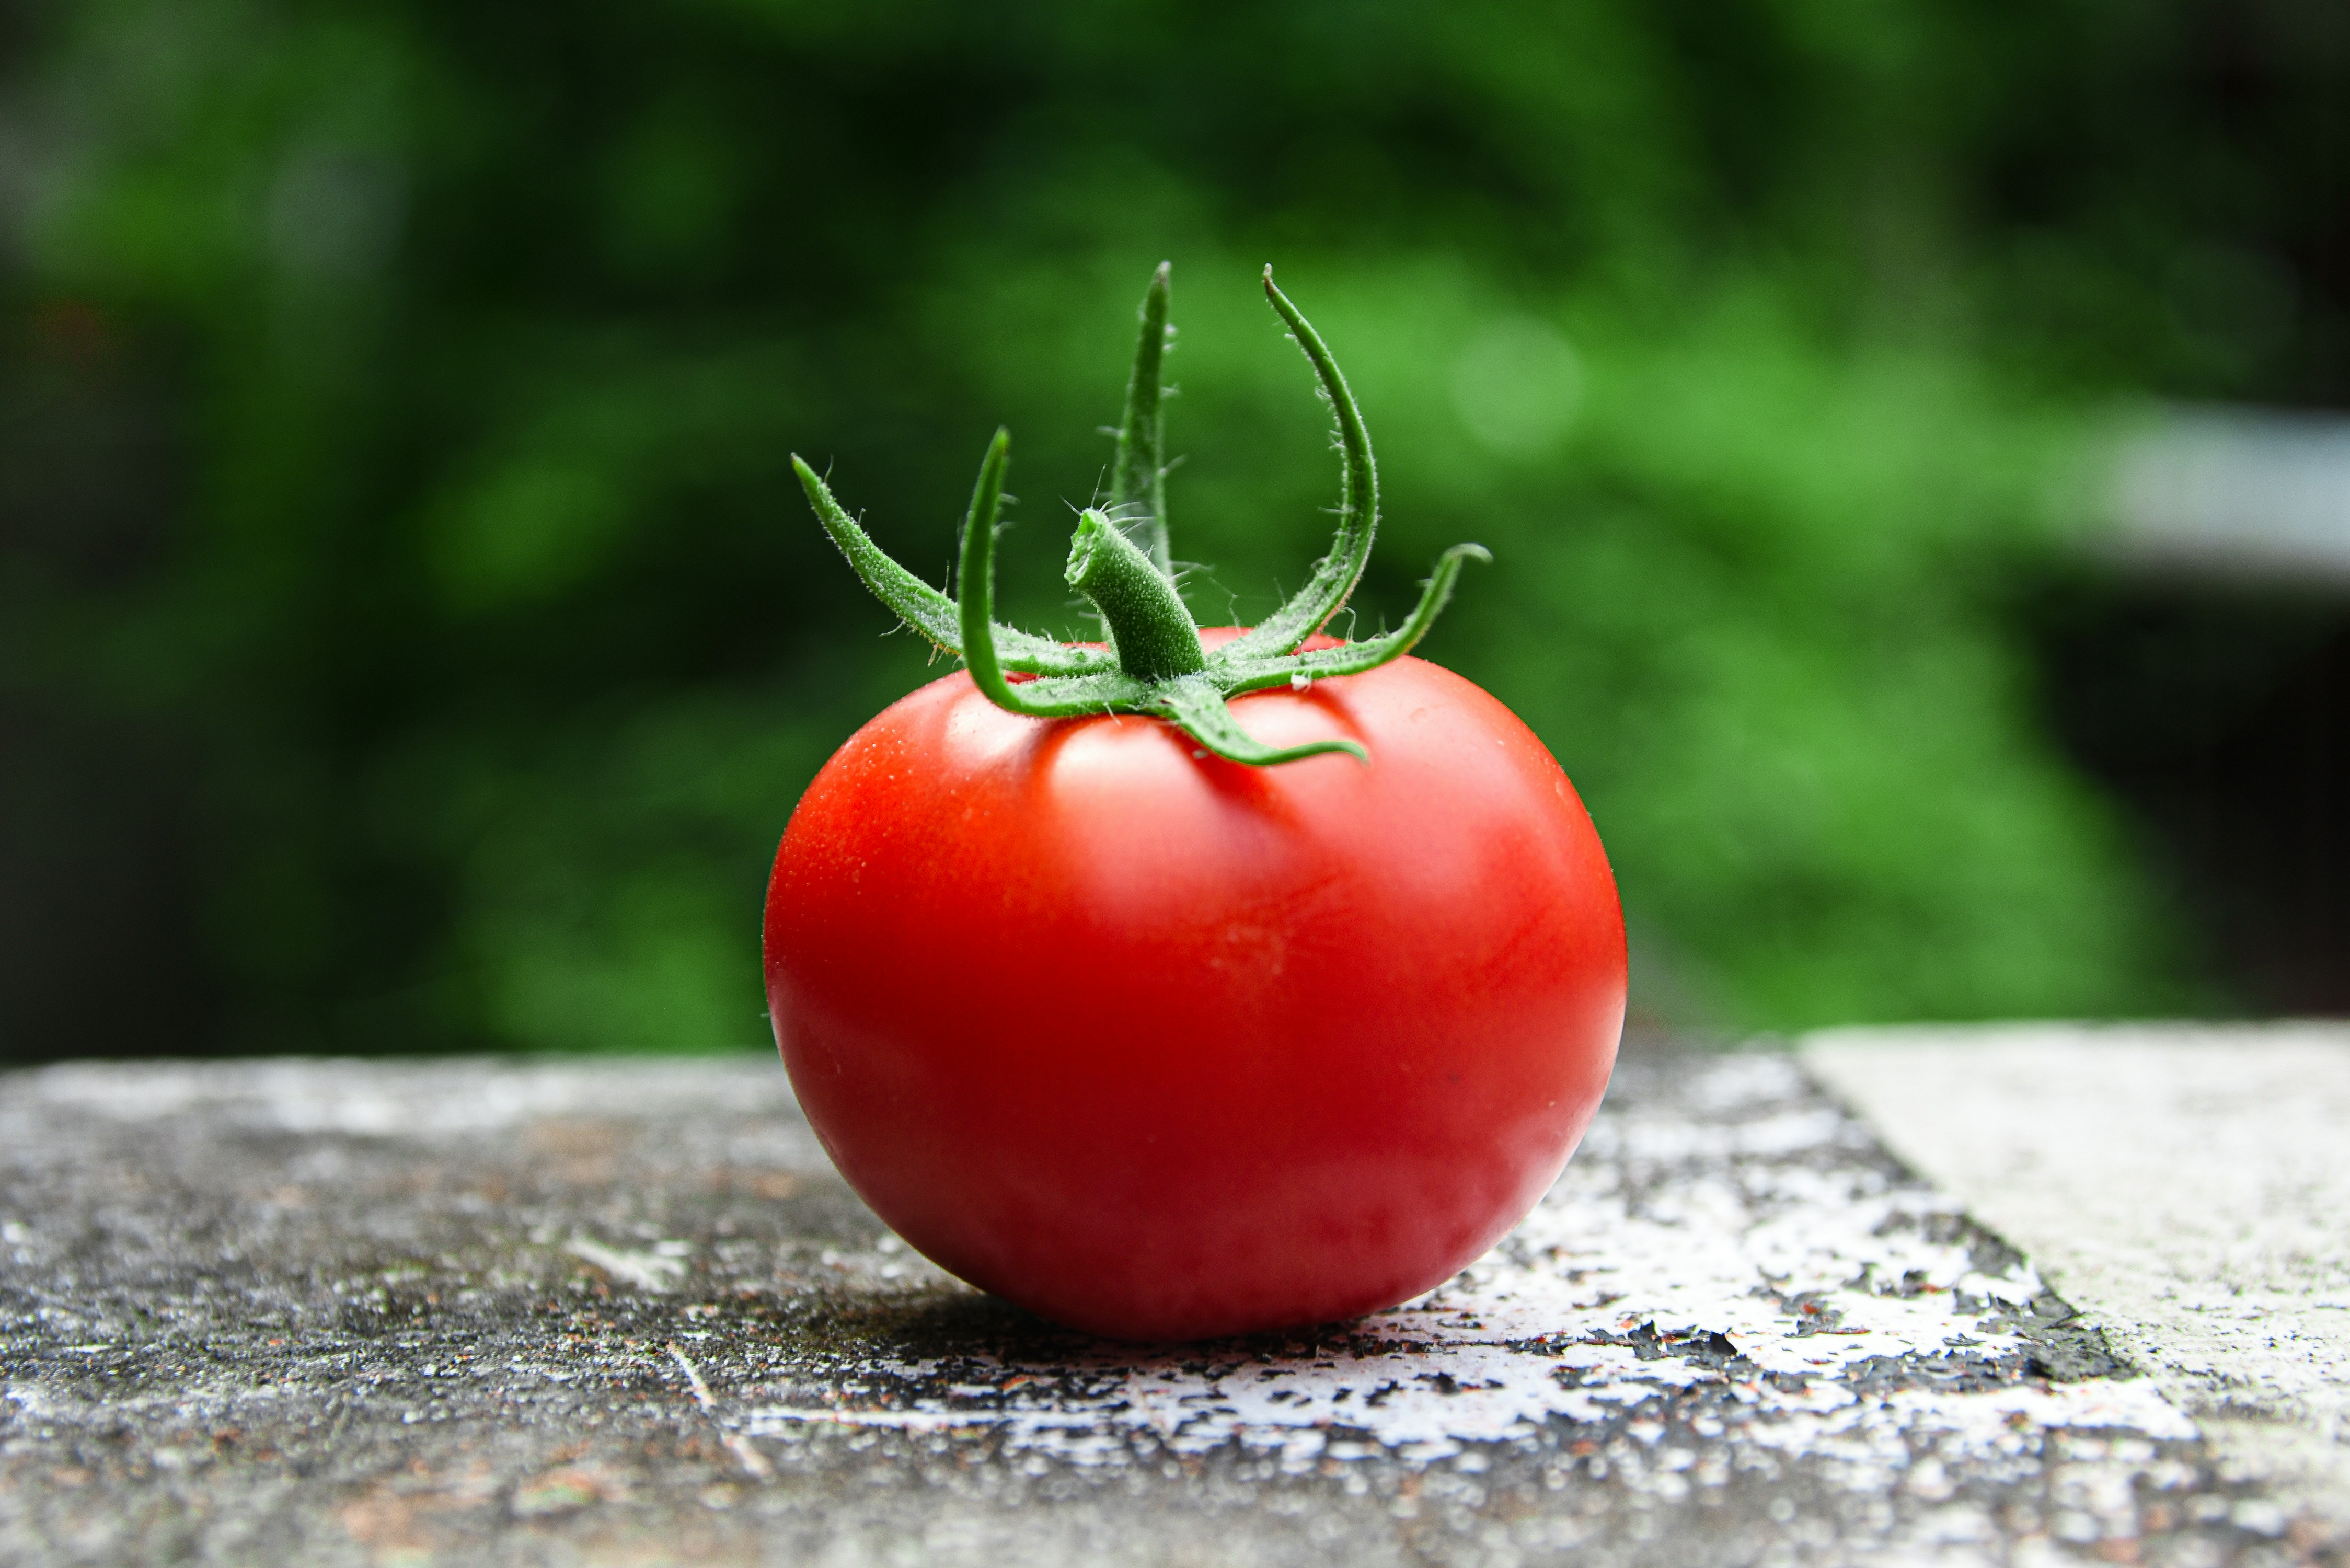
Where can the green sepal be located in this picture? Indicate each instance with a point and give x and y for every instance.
(1335, 576)
(927, 610)
(1138, 472)
(1244, 674)
(1197, 706)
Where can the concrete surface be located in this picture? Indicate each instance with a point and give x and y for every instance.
(481, 1313)
(2188, 1187)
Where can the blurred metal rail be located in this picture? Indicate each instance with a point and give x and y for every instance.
(2243, 493)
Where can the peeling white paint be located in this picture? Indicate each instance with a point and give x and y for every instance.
(1663, 1231)
(646, 1270)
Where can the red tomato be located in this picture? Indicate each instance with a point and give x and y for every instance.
(1164, 1047)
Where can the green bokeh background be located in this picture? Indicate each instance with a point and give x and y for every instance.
(470, 641)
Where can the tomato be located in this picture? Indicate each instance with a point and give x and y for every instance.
(1192, 982)
(1162, 1046)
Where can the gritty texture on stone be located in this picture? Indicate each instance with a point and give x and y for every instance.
(2189, 1185)
(341, 1313)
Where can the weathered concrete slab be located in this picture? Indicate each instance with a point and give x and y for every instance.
(2189, 1186)
(339, 1313)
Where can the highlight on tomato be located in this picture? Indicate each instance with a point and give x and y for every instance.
(1203, 982)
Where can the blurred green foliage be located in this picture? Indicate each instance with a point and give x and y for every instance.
(483, 640)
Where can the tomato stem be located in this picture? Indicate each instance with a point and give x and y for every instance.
(1118, 560)
(1109, 691)
(1152, 634)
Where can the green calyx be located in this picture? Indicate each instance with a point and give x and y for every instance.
(1118, 560)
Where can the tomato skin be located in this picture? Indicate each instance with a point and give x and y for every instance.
(1164, 1047)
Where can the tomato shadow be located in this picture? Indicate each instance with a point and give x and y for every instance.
(965, 1322)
